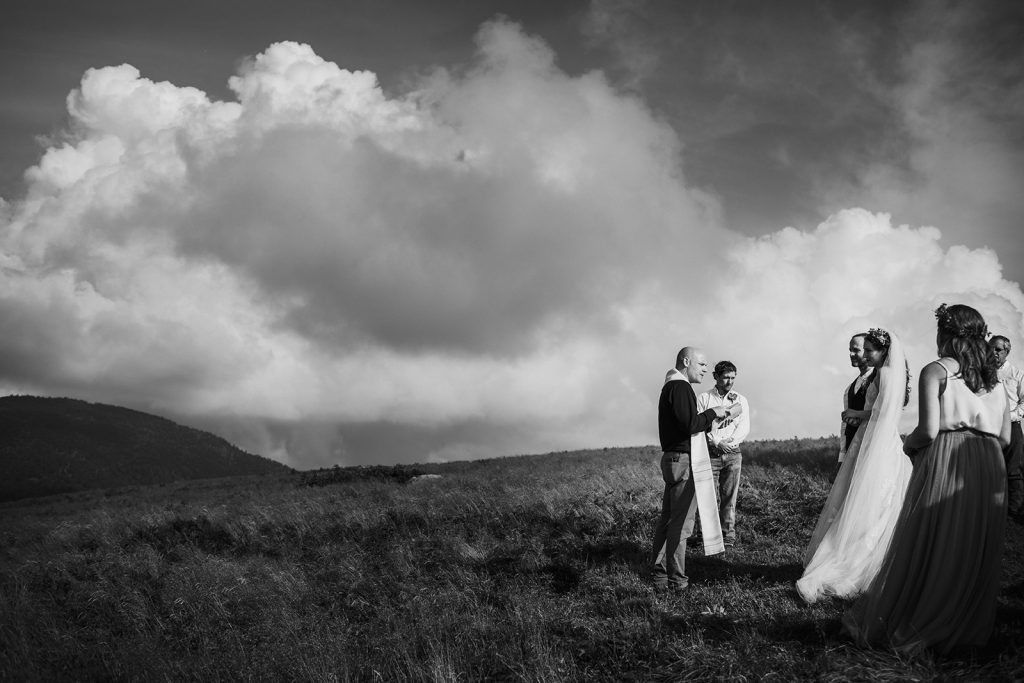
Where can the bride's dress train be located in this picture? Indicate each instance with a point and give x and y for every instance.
(854, 529)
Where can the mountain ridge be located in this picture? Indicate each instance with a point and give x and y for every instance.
(63, 445)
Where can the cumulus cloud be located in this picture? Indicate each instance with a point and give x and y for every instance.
(503, 260)
(789, 302)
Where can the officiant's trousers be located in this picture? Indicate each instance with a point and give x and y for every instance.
(675, 525)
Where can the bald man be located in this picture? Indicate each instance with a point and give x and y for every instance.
(678, 421)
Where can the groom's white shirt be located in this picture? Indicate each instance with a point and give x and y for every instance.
(735, 429)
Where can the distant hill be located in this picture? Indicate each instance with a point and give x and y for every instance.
(60, 445)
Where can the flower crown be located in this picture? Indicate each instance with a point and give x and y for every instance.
(946, 324)
(879, 337)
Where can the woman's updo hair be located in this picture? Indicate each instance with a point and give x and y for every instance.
(962, 334)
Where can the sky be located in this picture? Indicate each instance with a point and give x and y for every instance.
(362, 232)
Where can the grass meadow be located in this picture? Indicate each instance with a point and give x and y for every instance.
(522, 569)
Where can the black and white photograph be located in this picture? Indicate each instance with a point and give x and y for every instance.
(575, 340)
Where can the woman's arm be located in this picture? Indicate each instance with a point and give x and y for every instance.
(929, 386)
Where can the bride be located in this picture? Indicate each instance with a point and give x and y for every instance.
(855, 527)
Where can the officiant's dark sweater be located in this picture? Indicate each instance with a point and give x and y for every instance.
(678, 417)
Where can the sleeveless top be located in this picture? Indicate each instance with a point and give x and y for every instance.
(961, 408)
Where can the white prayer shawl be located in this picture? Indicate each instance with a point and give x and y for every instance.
(703, 485)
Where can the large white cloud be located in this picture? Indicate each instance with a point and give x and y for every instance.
(789, 302)
(504, 260)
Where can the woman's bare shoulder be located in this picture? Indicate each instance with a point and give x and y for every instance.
(940, 368)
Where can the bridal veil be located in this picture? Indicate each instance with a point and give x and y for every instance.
(856, 524)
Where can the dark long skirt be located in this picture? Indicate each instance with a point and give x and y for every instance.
(938, 584)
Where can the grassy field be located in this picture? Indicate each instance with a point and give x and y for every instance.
(529, 568)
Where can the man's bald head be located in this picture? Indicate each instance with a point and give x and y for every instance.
(685, 353)
(691, 362)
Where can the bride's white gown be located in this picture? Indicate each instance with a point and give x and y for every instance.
(856, 524)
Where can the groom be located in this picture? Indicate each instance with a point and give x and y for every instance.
(678, 422)
(856, 394)
(724, 441)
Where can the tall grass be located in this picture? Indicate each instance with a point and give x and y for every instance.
(529, 568)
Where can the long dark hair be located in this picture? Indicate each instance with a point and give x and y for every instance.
(962, 333)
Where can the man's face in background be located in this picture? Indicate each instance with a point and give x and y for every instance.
(724, 381)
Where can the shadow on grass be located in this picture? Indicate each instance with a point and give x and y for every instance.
(721, 628)
(561, 577)
(566, 567)
(719, 568)
(1010, 614)
(1015, 590)
(616, 552)
(708, 569)
(809, 632)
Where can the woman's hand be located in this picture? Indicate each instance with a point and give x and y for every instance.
(913, 445)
